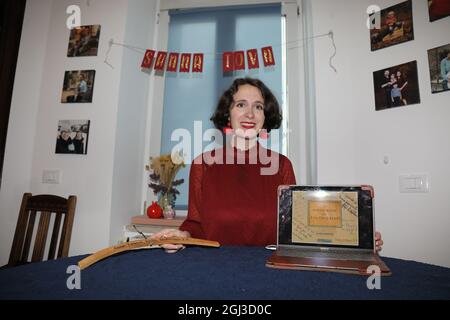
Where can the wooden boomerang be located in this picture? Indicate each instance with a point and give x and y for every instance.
(137, 244)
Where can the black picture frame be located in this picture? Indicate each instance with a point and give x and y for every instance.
(72, 137)
(84, 41)
(438, 9)
(78, 86)
(396, 86)
(395, 26)
(439, 65)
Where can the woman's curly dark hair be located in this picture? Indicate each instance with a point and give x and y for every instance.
(272, 111)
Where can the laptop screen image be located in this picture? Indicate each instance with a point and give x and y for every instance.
(326, 216)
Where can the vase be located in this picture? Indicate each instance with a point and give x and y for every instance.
(166, 199)
(168, 212)
(167, 202)
(154, 211)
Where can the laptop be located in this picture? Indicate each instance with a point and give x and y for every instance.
(327, 228)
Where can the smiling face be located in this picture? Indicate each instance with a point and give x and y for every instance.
(65, 135)
(393, 78)
(247, 111)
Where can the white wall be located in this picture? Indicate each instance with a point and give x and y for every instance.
(87, 176)
(22, 120)
(129, 159)
(98, 177)
(353, 138)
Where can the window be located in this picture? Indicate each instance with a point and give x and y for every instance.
(190, 99)
(177, 101)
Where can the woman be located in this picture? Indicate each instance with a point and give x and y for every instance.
(387, 86)
(234, 202)
(64, 143)
(402, 83)
(78, 142)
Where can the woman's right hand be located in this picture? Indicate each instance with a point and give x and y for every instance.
(171, 233)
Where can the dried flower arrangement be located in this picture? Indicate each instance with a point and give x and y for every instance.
(162, 179)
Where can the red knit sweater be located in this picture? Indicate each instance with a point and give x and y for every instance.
(234, 203)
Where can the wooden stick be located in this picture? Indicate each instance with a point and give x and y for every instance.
(137, 244)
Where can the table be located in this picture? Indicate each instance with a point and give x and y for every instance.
(226, 273)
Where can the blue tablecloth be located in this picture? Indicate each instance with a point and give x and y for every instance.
(226, 273)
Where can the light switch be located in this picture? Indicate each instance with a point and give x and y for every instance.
(408, 183)
(413, 183)
(51, 176)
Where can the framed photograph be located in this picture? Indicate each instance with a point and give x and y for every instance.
(439, 63)
(78, 86)
(72, 136)
(84, 41)
(395, 26)
(438, 9)
(396, 86)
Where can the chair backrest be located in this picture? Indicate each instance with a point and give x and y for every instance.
(43, 207)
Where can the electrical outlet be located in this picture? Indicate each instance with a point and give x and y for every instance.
(51, 176)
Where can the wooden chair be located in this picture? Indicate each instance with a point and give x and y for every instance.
(42, 206)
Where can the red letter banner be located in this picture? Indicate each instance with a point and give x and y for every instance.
(252, 59)
(185, 63)
(148, 58)
(160, 60)
(173, 62)
(197, 65)
(228, 62)
(268, 57)
(239, 60)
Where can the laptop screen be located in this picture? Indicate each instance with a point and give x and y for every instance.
(326, 216)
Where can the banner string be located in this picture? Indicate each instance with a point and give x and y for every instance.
(140, 50)
(330, 61)
(110, 44)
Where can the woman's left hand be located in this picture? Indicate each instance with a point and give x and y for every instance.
(169, 233)
(378, 241)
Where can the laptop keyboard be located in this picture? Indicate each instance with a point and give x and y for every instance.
(329, 255)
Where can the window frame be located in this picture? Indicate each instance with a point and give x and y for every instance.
(296, 117)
